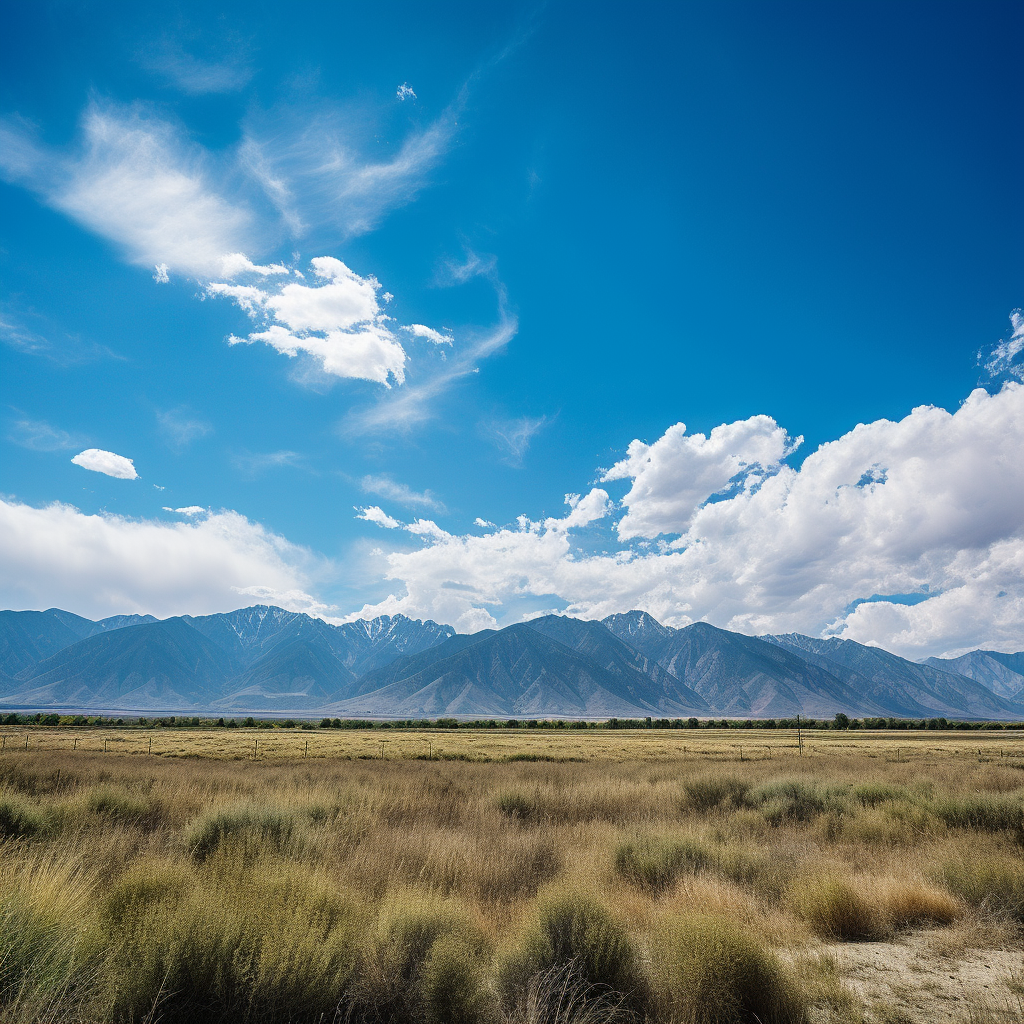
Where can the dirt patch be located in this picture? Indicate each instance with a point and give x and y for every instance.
(922, 978)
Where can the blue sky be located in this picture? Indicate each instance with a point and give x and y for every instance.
(542, 233)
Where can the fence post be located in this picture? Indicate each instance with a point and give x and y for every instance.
(75, 747)
(151, 744)
(305, 752)
(255, 749)
(104, 746)
(26, 741)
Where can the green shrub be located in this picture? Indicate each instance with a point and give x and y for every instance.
(425, 962)
(453, 983)
(257, 830)
(266, 948)
(871, 794)
(711, 971)
(708, 792)
(765, 876)
(991, 882)
(519, 806)
(20, 819)
(654, 864)
(119, 806)
(796, 800)
(573, 930)
(982, 812)
(836, 910)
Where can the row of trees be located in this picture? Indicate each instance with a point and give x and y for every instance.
(840, 721)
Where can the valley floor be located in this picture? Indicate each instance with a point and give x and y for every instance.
(513, 878)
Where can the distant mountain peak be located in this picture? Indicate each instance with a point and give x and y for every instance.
(635, 623)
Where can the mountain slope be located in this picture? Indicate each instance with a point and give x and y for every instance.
(596, 642)
(27, 638)
(1003, 674)
(740, 675)
(164, 664)
(934, 692)
(515, 671)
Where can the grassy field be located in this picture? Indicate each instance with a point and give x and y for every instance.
(609, 876)
(500, 744)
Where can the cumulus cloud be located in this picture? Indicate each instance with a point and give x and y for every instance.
(338, 322)
(674, 476)
(429, 333)
(405, 92)
(98, 565)
(930, 503)
(100, 461)
(377, 515)
(400, 493)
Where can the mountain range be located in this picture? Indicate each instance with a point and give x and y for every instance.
(266, 660)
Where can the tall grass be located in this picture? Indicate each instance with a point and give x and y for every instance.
(455, 892)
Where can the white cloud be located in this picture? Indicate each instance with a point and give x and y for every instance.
(1003, 360)
(100, 461)
(415, 403)
(405, 92)
(135, 180)
(674, 476)
(319, 165)
(236, 263)
(98, 565)
(377, 515)
(429, 333)
(482, 523)
(162, 276)
(400, 493)
(932, 502)
(188, 510)
(338, 322)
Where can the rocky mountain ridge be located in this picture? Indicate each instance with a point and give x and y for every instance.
(267, 660)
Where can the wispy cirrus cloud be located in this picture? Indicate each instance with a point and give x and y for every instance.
(400, 493)
(514, 436)
(255, 463)
(195, 75)
(40, 436)
(180, 426)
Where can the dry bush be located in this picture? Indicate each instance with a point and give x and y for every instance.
(713, 972)
(990, 881)
(654, 864)
(835, 909)
(572, 930)
(710, 792)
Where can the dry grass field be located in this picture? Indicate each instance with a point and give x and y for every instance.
(669, 877)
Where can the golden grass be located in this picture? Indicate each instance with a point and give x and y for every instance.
(201, 887)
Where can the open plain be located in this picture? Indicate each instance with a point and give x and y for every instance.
(520, 875)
